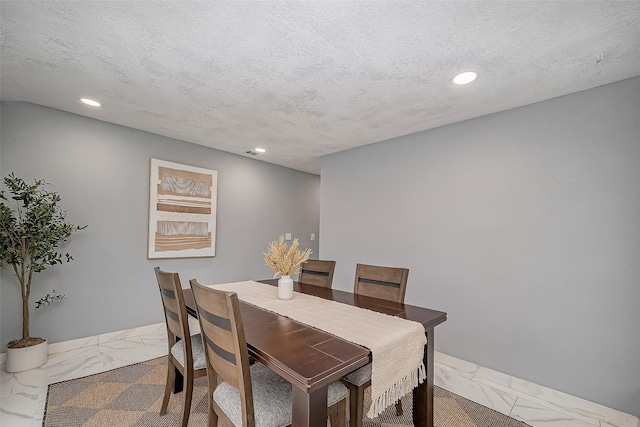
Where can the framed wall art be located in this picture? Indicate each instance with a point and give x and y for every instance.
(182, 211)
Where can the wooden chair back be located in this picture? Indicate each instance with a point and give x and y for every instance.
(388, 283)
(175, 311)
(225, 343)
(177, 321)
(317, 272)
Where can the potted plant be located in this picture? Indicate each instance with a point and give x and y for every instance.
(285, 261)
(32, 226)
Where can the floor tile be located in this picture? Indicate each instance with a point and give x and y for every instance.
(17, 409)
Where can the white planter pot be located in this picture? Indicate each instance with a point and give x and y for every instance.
(285, 287)
(23, 359)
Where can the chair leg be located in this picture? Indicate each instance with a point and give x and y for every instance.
(342, 414)
(213, 417)
(356, 404)
(188, 394)
(359, 406)
(399, 408)
(353, 395)
(212, 381)
(338, 414)
(332, 411)
(171, 375)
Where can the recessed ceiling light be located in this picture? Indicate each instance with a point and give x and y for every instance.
(260, 150)
(465, 77)
(91, 102)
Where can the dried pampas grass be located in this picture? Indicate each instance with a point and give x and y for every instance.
(283, 260)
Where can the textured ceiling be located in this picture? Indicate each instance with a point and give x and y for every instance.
(306, 79)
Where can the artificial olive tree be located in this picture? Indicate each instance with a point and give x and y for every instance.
(32, 226)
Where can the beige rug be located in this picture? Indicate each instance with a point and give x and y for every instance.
(132, 395)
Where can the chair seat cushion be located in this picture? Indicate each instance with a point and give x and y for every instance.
(336, 392)
(271, 398)
(199, 359)
(359, 376)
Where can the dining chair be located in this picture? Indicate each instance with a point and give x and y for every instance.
(317, 272)
(186, 352)
(388, 283)
(247, 395)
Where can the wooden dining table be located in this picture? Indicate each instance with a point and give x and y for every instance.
(311, 359)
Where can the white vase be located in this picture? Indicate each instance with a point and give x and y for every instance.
(285, 287)
(23, 359)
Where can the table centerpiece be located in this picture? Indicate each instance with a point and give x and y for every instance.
(285, 261)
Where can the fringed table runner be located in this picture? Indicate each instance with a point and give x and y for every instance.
(396, 344)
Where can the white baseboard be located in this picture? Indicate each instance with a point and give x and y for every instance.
(561, 402)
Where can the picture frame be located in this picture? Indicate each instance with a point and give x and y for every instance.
(182, 210)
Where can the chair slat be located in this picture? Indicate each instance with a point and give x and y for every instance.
(317, 272)
(170, 303)
(223, 338)
(387, 283)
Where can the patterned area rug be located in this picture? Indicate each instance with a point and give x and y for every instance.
(132, 395)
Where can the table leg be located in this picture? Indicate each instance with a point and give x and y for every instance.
(423, 394)
(309, 409)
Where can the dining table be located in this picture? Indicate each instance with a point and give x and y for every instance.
(311, 359)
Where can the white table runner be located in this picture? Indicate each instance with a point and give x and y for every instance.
(396, 344)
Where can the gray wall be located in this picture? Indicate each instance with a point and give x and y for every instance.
(523, 225)
(102, 173)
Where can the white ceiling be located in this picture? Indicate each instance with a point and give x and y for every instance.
(307, 78)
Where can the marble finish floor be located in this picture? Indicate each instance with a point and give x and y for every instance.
(24, 394)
